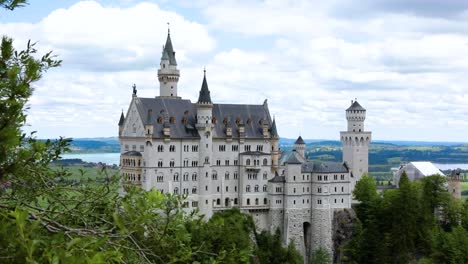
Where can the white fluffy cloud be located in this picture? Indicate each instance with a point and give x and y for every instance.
(405, 63)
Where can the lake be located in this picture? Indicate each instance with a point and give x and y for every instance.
(108, 158)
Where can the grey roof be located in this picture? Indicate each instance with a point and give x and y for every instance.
(299, 141)
(291, 158)
(177, 108)
(204, 92)
(273, 130)
(324, 167)
(170, 50)
(249, 116)
(278, 178)
(132, 153)
(356, 106)
(165, 56)
(122, 119)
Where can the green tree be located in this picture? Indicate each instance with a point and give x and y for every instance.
(321, 256)
(269, 249)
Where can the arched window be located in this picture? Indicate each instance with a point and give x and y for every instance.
(265, 162)
(256, 188)
(248, 201)
(265, 175)
(247, 188)
(265, 188)
(226, 202)
(247, 162)
(235, 200)
(176, 176)
(265, 201)
(256, 201)
(176, 190)
(218, 201)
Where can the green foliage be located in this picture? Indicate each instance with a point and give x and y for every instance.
(12, 4)
(412, 222)
(270, 250)
(321, 256)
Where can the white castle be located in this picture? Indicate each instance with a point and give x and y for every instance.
(227, 155)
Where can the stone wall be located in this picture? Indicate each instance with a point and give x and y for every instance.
(343, 227)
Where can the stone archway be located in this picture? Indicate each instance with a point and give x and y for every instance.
(307, 234)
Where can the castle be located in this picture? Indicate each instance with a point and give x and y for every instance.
(227, 155)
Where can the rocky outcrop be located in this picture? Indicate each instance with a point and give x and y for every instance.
(343, 225)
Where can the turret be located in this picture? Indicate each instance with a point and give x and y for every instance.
(204, 126)
(168, 74)
(121, 123)
(274, 146)
(356, 142)
(299, 146)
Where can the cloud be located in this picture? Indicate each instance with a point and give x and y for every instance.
(404, 63)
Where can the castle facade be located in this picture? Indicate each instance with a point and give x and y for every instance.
(227, 155)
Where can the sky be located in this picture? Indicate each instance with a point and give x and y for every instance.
(405, 61)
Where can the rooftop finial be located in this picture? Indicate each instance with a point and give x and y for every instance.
(168, 29)
(134, 90)
(204, 70)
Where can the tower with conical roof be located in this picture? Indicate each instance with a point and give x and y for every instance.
(274, 146)
(204, 126)
(299, 146)
(356, 142)
(168, 74)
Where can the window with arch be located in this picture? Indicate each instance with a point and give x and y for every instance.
(247, 188)
(218, 201)
(194, 177)
(186, 176)
(265, 201)
(247, 162)
(176, 190)
(194, 190)
(256, 201)
(265, 162)
(256, 188)
(265, 188)
(265, 175)
(160, 148)
(248, 201)
(226, 175)
(176, 176)
(235, 200)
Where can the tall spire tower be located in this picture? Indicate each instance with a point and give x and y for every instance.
(168, 74)
(356, 142)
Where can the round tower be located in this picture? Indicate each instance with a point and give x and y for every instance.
(168, 74)
(299, 146)
(356, 142)
(204, 126)
(274, 146)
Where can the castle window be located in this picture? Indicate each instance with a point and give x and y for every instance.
(213, 120)
(235, 147)
(342, 177)
(172, 120)
(265, 162)
(248, 201)
(176, 190)
(186, 176)
(134, 128)
(235, 175)
(342, 189)
(325, 178)
(256, 188)
(194, 204)
(235, 188)
(222, 148)
(236, 162)
(265, 201)
(226, 162)
(265, 175)
(342, 200)
(171, 163)
(246, 147)
(194, 148)
(214, 176)
(218, 201)
(160, 148)
(335, 189)
(319, 201)
(194, 177)
(206, 187)
(264, 188)
(247, 162)
(294, 178)
(247, 188)
(227, 188)
(160, 163)
(160, 120)
(142, 148)
(319, 189)
(176, 176)
(225, 121)
(294, 190)
(235, 200)
(259, 148)
(226, 176)
(126, 147)
(217, 188)
(294, 202)
(218, 162)
(256, 201)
